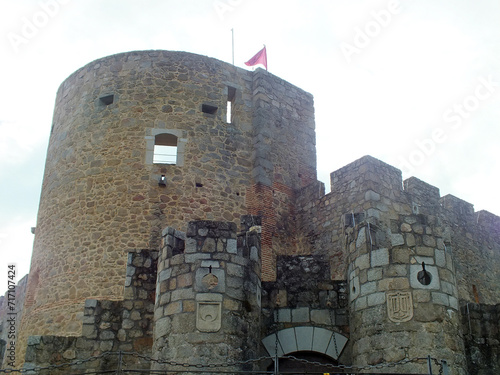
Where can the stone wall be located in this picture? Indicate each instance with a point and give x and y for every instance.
(482, 338)
(108, 326)
(304, 296)
(284, 161)
(475, 244)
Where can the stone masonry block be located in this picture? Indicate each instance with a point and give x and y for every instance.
(410, 240)
(181, 294)
(401, 255)
(397, 239)
(429, 241)
(254, 254)
(361, 303)
(165, 274)
(440, 258)
(453, 302)
(208, 263)
(370, 195)
(89, 331)
(380, 257)
(192, 258)
(447, 287)
(283, 315)
(426, 260)
(373, 212)
(184, 280)
(440, 298)
(300, 315)
(173, 308)
(232, 246)
(191, 246)
(362, 262)
(396, 283)
(376, 299)
(396, 270)
(361, 239)
(235, 270)
(421, 296)
(322, 317)
(368, 288)
(374, 274)
(91, 303)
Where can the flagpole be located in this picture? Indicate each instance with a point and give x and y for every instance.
(232, 38)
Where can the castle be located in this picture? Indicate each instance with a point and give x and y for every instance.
(181, 220)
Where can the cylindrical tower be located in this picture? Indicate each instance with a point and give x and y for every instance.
(142, 140)
(208, 296)
(402, 284)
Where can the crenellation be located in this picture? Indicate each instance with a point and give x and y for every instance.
(422, 194)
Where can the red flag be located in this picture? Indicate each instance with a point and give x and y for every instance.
(259, 58)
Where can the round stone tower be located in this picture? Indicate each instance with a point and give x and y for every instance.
(208, 296)
(149, 139)
(402, 285)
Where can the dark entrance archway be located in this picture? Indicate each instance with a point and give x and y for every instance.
(303, 365)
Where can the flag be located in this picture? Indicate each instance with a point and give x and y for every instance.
(259, 58)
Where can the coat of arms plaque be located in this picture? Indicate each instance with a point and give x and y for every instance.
(399, 306)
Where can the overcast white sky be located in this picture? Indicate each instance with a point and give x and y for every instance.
(413, 83)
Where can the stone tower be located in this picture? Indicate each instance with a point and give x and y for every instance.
(209, 294)
(402, 286)
(145, 140)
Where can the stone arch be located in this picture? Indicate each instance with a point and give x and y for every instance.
(305, 339)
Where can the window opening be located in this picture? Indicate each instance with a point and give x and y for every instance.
(231, 93)
(165, 150)
(107, 100)
(210, 109)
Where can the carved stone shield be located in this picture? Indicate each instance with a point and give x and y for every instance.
(399, 306)
(208, 316)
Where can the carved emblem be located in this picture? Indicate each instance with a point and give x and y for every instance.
(208, 317)
(399, 306)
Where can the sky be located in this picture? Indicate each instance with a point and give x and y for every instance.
(415, 84)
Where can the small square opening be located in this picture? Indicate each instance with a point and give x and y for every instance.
(210, 109)
(107, 99)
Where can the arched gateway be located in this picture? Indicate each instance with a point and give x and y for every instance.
(305, 339)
